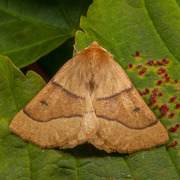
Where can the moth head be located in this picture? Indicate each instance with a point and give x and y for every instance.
(94, 51)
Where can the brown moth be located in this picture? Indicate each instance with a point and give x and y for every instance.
(90, 99)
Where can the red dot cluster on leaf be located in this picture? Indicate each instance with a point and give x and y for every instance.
(139, 66)
(174, 129)
(158, 62)
(153, 101)
(172, 99)
(159, 82)
(142, 71)
(137, 54)
(147, 91)
(166, 75)
(150, 62)
(130, 65)
(176, 81)
(161, 70)
(171, 115)
(162, 62)
(141, 92)
(153, 97)
(177, 106)
(167, 79)
(164, 109)
(175, 143)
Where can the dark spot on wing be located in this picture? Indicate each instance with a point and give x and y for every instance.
(44, 102)
(137, 109)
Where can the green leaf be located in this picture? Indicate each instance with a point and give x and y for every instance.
(152, 28)
(122, 27)
(31, 29)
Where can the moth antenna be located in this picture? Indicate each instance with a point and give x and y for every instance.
(74, 46)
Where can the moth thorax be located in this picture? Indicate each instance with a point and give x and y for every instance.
(94, 66)
(95, 78)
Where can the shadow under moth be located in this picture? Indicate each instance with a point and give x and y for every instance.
(90, 99)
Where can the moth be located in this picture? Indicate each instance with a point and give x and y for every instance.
(90, 99)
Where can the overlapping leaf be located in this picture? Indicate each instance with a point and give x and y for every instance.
(31, 29)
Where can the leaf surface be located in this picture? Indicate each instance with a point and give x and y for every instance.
(122, 27)
(151, 28)
(31, 29)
